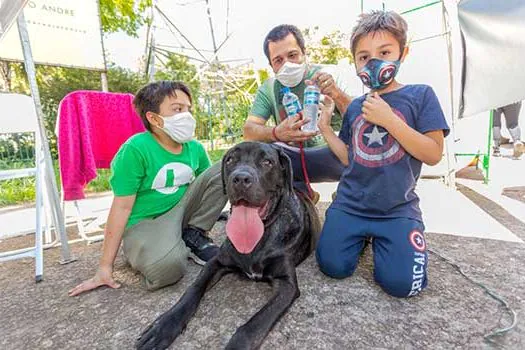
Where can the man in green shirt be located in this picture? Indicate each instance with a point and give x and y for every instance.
(166, 194)
(285, 49)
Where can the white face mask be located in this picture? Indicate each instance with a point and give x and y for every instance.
(291, 74)
(180, 127)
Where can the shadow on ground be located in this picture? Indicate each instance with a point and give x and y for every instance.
(330, 314)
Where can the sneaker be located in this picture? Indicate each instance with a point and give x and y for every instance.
(496, 151)
(202, 247)
(224, 216)
(519, 149)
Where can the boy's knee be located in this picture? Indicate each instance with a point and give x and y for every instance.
(401, 285)
(167, 270)
(212, 175)
(332, 264)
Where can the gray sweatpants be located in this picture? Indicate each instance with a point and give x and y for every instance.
(155, 247)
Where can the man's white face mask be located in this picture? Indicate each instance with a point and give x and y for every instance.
(180, 127)
(291, 74)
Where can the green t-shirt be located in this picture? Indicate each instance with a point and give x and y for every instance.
(158, 178)
(269, 99)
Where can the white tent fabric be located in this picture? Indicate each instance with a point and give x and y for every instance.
(494, 45)
(56, 28)
(8, 12)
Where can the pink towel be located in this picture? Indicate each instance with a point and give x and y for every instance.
(92, 127)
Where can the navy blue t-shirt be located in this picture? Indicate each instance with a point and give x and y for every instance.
(381, 177)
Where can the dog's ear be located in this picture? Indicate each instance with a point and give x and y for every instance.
(286, 165)
(223, 165)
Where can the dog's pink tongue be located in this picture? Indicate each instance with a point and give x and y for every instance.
(244, 228)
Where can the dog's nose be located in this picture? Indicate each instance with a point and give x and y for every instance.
(242, 179)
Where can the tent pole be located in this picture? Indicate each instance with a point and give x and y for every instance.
(150, 66)
(486, 157)
(450, 177)
(421, 7)
(104, 81)
(49, 174)
(103, 74)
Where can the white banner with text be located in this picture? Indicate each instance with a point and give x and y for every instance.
(61, 32)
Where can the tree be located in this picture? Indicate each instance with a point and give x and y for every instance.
(177, 67)
(123, 15)
(327, 49)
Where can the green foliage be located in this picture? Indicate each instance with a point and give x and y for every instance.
(216, 155)
(226, 113)
(123, 15)
(177, 67)
(101, 182)
(17, 150)
(17, 191)
(327, 49)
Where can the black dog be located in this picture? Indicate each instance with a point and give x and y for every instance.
(271, 230)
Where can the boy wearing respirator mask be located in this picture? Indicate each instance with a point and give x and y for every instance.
(167, 194)
(386, 136)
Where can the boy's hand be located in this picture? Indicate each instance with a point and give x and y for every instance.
(326, 84)
(327, 110)
(103, 277)
(376, 110)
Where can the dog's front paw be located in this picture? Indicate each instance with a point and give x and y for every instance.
(159, 335)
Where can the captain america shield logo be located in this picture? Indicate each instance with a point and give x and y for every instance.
(373, 146)
(417, 240)
(387, 74)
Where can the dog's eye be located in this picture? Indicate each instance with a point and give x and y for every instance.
(229, 160)
(267, 162)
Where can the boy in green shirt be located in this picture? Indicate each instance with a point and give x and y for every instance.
(166, 194)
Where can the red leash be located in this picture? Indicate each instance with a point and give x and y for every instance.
(305, 173)
(303, 161)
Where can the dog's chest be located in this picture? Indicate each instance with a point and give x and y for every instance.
(254, 272)
(254, 275)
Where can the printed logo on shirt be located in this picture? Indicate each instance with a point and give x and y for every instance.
(373, 146)
(171, 176)
(417, 240)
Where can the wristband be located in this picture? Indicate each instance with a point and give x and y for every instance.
(274, 134)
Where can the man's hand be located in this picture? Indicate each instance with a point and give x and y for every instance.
(290, 129)
(326, 84)
(377, 111)
(103, 277)
(327, 109)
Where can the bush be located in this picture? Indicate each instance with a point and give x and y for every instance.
(17, 191)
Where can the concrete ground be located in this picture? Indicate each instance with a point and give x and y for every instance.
(481, 229)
